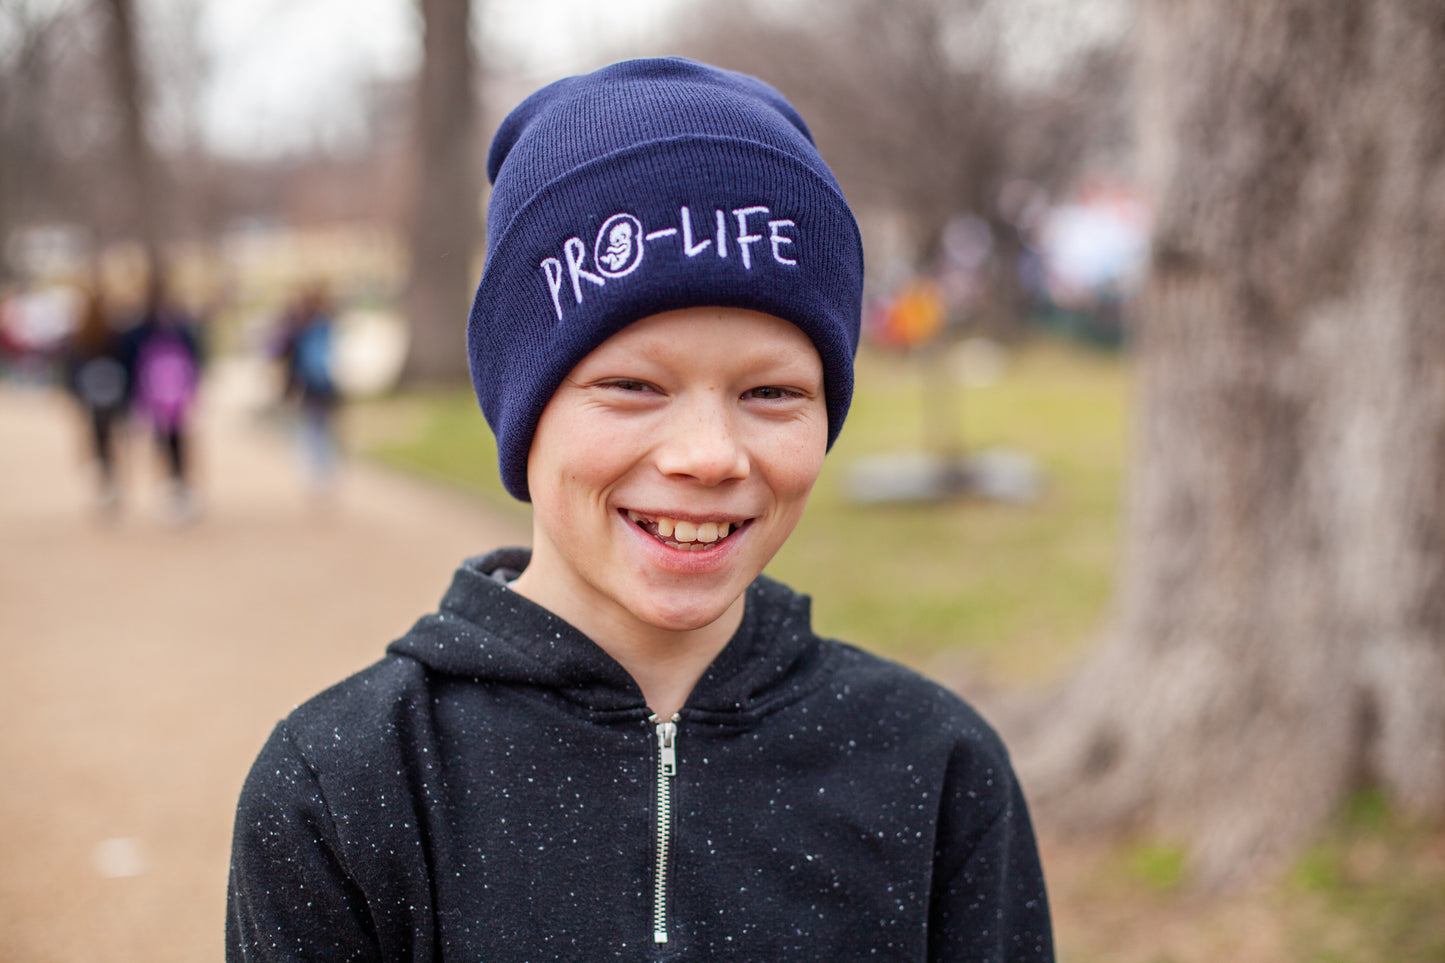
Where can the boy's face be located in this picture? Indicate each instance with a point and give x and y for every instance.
(670, 466)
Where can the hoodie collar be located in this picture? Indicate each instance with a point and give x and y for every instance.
(484, 631)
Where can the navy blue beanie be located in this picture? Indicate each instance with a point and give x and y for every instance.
(649, 186)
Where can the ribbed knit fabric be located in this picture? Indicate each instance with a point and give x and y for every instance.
(649, 186)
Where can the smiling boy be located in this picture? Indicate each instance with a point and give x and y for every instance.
(626, 742)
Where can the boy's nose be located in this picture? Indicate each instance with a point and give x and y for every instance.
(702, 443)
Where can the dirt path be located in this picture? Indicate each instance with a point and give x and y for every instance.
(142, 666)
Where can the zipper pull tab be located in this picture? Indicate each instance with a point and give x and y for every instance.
(666, 748)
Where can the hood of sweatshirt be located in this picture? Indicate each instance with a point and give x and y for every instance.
(485, 632)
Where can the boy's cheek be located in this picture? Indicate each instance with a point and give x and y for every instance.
(795, 464)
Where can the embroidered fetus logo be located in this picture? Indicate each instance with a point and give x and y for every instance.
(622, 236)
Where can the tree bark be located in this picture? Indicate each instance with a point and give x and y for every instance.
(1281, 615)
(445, 221)
(144, 215)
(23, 147)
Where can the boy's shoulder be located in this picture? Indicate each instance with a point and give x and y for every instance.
(875, 684)
(356, 716)
(895, 705)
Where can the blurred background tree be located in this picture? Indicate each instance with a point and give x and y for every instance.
(1281, 632)
(142, 202)
(23, 171)
(446, 215)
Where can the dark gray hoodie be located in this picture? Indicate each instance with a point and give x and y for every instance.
(495, 789)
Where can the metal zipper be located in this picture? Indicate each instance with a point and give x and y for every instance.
(666, 769)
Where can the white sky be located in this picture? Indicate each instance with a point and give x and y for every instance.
(284, 73)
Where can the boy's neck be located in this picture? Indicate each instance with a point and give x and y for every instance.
(668, 669)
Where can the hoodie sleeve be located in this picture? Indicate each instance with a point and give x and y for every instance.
(290, 895)
(989, 902)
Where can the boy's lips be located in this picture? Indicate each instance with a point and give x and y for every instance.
(696, 534)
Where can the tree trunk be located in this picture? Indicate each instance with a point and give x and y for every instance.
(1281, 617)
(24, 172)
(445, 224)
(144, 217)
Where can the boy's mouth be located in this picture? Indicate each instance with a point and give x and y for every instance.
(683, 534)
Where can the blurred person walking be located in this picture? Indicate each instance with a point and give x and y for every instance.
(306, 348)
(94, 369)
(164, 360)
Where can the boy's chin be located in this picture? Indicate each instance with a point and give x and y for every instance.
(683, 616)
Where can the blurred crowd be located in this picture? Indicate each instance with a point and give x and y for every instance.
(134, 375)
(1069, 266)
(140, 367)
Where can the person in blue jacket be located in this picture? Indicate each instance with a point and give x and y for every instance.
(626, 742)
(305, 346)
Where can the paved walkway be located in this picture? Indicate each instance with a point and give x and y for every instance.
(142, 666)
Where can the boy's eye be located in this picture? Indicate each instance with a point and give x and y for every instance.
(769, 393)
(627, 384)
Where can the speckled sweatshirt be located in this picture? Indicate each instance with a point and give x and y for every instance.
(495, 789)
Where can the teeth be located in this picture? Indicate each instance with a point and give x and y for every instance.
(684, 531)
(691, 534)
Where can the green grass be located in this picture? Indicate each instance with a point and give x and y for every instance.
(1160, 866)
(1372, 890)
(1020, 588)
(439, 436)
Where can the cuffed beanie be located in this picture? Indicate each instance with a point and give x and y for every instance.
(650, 186)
